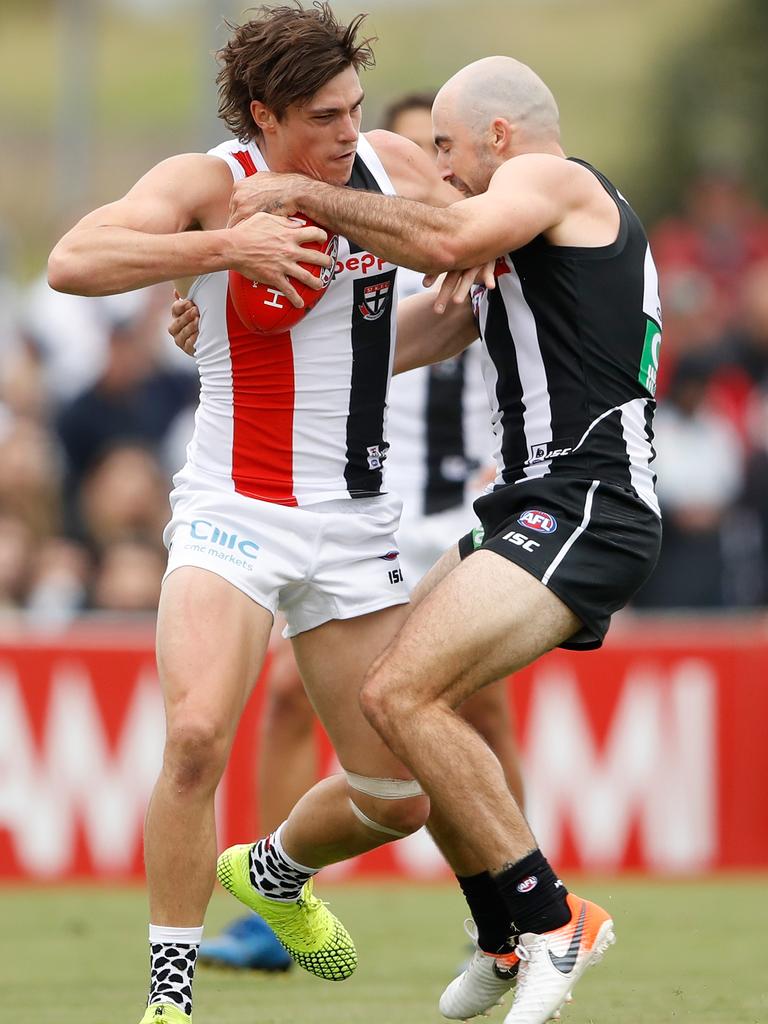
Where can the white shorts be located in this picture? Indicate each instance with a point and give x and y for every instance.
(423, 539)
(332, 560)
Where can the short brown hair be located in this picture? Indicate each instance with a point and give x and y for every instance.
(282, 56)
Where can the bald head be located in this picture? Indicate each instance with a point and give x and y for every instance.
(502, 87)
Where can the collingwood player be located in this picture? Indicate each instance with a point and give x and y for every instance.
(571, 526)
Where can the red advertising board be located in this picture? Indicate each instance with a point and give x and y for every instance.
(649, 754)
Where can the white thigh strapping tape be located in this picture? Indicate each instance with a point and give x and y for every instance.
(384, 789)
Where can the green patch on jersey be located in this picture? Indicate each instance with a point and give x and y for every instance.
(478, 537)
(649, 363)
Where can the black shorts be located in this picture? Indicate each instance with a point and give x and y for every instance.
(591, 543)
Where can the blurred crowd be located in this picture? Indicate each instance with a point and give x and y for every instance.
(96, 408)
(97, 405)
(712, 418)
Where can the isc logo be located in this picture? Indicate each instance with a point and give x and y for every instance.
(521, 540)
(542, 522)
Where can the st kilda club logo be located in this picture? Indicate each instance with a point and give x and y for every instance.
(375, 296)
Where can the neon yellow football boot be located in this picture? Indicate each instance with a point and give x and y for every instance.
(306, 929)
(164, 1013)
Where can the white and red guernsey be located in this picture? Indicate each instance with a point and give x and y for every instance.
(299, 417)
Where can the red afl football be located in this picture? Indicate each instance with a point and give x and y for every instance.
(266, 310)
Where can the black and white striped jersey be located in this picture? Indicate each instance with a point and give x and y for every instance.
(437, 425)
(571, 342)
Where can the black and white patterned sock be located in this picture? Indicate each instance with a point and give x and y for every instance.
(274, 874)
(172, 959)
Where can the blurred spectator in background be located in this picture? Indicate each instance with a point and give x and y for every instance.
(712, 424)
(124, 496)
(60, 572)
(16, 542)
(747, 343)
(752, 582)
(134, 398)
(89, 389)
(411, 116)
(700, 468)
(9, 296)
(722, 233)
(689, 303)
(69, 334)
(30, 476)
(743, 355)
(128, 577)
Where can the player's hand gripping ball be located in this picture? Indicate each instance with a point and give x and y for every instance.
(266, 310)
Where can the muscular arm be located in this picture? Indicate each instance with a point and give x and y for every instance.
(147, 236)
(425, 337)
(528, 195)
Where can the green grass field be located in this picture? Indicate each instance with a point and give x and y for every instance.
(686, 952)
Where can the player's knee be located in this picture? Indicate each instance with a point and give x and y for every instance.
(376, 705)
(384, 703)
(195, 751)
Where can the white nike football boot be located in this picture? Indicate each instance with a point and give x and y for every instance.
(552, 962)
(482, 984)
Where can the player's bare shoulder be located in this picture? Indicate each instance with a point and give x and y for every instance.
(539, 171)
(196, 185)
(580, 210)
(410, 170)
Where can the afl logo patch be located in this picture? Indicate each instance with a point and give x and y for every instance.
(527, 884)
(542, 522)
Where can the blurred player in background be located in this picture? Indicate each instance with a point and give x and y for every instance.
(570, 529)
(440, 452)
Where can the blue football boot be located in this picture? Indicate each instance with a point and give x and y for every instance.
(247, 944)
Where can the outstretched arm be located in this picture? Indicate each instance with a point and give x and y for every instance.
(527, 196)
